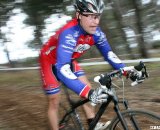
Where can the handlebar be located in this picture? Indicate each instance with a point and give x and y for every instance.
(106, 79)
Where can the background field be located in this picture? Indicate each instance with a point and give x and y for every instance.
(23, 105)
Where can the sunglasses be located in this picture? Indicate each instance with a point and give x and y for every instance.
(92, 16)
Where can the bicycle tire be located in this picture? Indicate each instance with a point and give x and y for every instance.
(146, 120)
(71, 123)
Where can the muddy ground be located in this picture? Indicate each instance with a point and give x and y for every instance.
(23, 105)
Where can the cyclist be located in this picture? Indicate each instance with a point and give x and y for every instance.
(58, 59)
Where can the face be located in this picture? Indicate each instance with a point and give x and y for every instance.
(89, 22)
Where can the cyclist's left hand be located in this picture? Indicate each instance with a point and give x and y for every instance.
(97, 96)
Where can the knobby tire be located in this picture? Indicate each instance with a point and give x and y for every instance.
(145, 120)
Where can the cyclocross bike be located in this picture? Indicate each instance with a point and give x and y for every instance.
(129, 119)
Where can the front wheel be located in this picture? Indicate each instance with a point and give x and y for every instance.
(137, 120)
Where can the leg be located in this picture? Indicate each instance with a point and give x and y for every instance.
(53, 110)
(51, 88)
(89, 110)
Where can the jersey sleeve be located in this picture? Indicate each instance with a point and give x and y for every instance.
(105, 49)
(67, 43)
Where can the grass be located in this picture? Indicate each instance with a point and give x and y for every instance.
(26, 77)
(32, 77)
(23, 101)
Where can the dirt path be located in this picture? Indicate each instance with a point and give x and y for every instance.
(24, 108)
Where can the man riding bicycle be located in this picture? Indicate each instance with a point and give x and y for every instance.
(58, 59)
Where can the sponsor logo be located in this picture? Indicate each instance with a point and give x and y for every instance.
(50, 49)
(70, 40)
(81, 48)
(113, 57)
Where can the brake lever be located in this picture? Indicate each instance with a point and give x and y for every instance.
(140, 66)
(145, 72)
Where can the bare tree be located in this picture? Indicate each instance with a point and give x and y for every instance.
(142, 46)
(118, 15)
(5, 9)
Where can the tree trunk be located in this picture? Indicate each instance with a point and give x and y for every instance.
(118, 16)
(142, 47)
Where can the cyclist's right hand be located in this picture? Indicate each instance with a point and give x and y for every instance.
(98, 95)
(139, 75)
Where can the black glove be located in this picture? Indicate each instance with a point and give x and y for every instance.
(99, 95)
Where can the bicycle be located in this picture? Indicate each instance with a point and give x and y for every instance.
(129, 119)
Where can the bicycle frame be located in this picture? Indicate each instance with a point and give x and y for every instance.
(112, 97)
(103, 107)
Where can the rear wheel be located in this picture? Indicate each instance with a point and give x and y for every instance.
(137, 120)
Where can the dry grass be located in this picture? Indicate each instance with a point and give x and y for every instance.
(23, 105)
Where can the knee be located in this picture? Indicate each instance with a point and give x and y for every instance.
(54, 102)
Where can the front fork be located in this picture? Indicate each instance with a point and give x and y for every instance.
(117, 110)
(112, 96)
(123, 122)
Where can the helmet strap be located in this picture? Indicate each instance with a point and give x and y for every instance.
(77, 14)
